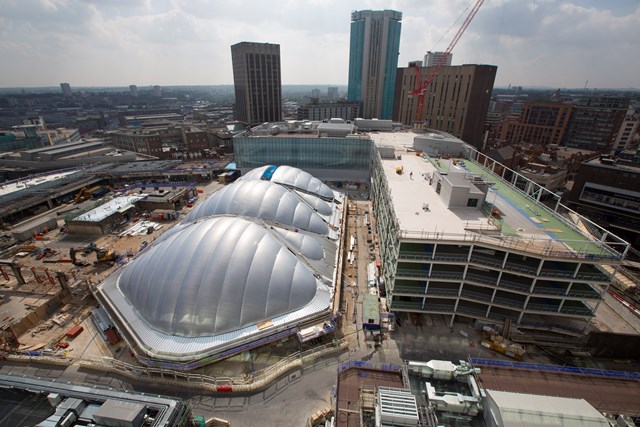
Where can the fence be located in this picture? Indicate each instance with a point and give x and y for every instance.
(244, 383)
(554, 368)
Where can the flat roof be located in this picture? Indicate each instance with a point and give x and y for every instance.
(146, 166)
(422, 213)
(34, 181)
(85, 145)
(613, 395)
(545, 410)
(118, 204)
(617, 165)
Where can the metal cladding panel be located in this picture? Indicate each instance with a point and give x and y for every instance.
(216, 275)
(264, 200)
(291, 177)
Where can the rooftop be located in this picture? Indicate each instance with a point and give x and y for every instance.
(149, 166)
(525, 224)
(118, 204)
(7, 188)
(302, 129)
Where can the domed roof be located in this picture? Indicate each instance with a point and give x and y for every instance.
(216, 275)
(290, 177)
(264, 200)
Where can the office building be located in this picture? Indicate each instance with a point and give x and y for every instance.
(628, 136)
(66, 90)
(540, 123)
(457, 101)
(373, 58)
(332, 92)
(432, 59)
(143, 141)
(606, 190)
(458, 240)
(329, 151)
(595, 122)
(133, 91)
(319, 111)
(257, 82)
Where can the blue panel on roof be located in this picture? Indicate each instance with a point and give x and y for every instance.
(268, 173)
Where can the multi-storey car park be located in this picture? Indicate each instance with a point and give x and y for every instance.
(462, 235)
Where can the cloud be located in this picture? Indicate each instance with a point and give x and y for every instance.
(121, 42)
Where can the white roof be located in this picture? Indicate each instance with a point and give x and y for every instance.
(524, 410)
(117, 204)
(290, 177)
(214, 276)
(264, 200)
(411, 191)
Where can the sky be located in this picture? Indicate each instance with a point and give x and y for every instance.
(552, 43)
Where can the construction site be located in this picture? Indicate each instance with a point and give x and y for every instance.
(56, 307)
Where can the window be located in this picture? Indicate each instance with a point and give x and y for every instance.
(472, 203)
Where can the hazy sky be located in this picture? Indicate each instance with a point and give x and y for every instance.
(173, 42)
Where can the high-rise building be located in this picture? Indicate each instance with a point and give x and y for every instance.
(256, 78)
(456, 102)
(133, 91)
(373, 58)
(595, 122)
(628, 133)
(328, 110)
(540, 123)
(315, 93)
(66, 90)
(332, 92)
(605, 190)
(157, 91)
(433, 58)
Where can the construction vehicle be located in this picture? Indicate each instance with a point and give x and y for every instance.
(93, 192)
(421, 86)
(502, 345)
(82, 195)
(102, 255)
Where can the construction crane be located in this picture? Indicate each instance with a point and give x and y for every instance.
(421, 86)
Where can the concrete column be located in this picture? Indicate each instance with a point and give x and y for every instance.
(64, 282)
(17, 272)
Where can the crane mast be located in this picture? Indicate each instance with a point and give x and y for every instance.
(421, 86)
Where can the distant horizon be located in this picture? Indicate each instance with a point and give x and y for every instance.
(310, 85)
(550, 43)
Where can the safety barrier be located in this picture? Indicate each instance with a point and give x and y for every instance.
(555, 368)
(241, 384)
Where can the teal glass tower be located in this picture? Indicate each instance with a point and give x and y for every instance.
(373, 60)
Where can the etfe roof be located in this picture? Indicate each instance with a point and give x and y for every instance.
(214, 276)
(523, 410)
(290, 177)
(266, 200)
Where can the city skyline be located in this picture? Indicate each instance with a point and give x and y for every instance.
(177, 42)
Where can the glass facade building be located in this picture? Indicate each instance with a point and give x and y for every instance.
(303, 152)
(373, 59)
